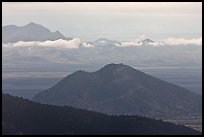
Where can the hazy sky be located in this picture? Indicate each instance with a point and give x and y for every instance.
(119, 21)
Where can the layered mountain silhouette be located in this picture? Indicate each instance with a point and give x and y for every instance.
(121, 89)
(29, 32)
(24, 117)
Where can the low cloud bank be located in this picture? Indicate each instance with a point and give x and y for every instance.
(87, 45)
(182, 41)
(74, 43)
(168, 41)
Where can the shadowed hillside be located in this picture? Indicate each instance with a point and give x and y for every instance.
(22, 116)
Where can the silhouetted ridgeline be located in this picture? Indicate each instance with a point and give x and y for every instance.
(29, 32)
(22, 116)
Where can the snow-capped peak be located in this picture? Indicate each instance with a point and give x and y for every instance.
(145, 42)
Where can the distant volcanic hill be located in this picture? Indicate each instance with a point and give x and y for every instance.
(121, 89)
(29, 32)
(24, 117)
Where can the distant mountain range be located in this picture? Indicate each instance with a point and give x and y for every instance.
(23, 117)
(37, 32)
(29, 32)
(121, 89)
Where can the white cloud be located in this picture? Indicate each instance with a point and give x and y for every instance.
(60, 43)
(74, 43)
(182, 41)
(130, 43)
(168, 41)
(87, 45)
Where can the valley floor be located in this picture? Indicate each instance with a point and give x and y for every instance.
(192, 122)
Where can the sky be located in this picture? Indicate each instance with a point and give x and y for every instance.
(118, 21)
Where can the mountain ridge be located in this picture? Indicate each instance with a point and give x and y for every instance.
(29, 32)
(121, 89)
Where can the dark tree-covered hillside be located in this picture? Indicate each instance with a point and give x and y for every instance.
(22, 116)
